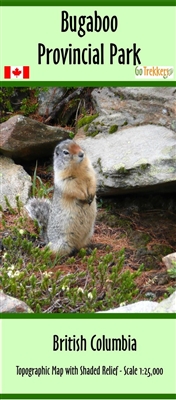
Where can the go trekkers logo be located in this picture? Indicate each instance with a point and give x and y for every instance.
(154, 72)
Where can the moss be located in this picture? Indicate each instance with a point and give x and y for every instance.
(143, 167)
(113, 128)
(93, 134)
(122, 170)
(125, 123)
(87, 119)
(114, 221)
(71, 135)
(161, 250)
(86, 128)
(73, 103)
(140, 239)
(99, 164)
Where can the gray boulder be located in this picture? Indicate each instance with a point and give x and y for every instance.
(139, 307)
(126, 107)
(9, 304)
(49, 98)
(25, 139)
(169, 260)
(166, 306)
(14, 182)
(136, 159)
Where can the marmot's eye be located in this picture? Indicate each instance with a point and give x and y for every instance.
(66, 152)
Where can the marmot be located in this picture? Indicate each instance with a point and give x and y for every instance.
(68, 220)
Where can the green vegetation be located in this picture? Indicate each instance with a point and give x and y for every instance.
(143, 167)
(71, 135)
(40, 189)
(28, 108)
(113, 129)
(172, 275)
(86, 128)
(172, 271)
(100, 165)
(161, 250)
(93, 134)
(87, 119)
(122, 170)
(33, 275)
(21, 100)
(5, 96)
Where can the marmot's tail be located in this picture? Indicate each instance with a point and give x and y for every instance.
(38, 209)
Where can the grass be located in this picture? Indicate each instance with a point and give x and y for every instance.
(40, 189)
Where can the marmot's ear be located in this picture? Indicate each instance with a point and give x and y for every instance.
(56, 151)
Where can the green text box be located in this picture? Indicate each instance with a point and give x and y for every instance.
(29, 344)
(151, 29)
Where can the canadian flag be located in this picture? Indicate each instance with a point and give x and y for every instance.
(16, 72)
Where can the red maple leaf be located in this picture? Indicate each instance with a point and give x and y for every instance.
(16, 72)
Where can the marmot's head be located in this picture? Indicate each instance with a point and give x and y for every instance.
(67, 153)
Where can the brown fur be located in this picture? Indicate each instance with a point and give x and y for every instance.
(68, 221)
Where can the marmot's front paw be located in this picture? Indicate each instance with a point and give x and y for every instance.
(90, 198)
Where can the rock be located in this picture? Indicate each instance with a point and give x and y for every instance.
(169, 260)
(150, 295)
(162, 94)
(131, 106)
(136, 159)
(49, 98)
(9, 304)
(166, 306)
(139, 307)
(173, 125)
(25, 139)
(14, 181)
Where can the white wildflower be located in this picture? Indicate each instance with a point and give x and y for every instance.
(4, 255)
(21, 231)
(80, 290)
(47, 274)
(65, 288)
(90, 296)
(11, 268)
(17, 273)
(123, 304)
(10, 274)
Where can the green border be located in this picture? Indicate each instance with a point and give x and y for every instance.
(136, 83)
(90, 316)
(94, 3)
(88, 396)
